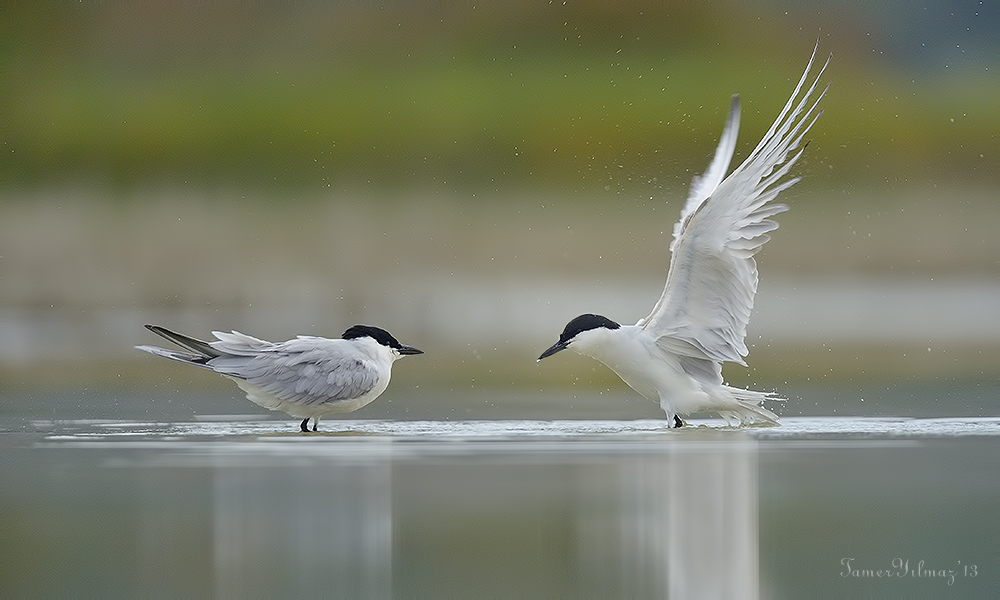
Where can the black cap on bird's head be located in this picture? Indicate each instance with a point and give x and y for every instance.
(379, 335)
(574, 327)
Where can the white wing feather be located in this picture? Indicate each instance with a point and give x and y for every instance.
(706, 302)
(703, 185)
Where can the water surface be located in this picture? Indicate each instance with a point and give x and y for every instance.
(237, 506)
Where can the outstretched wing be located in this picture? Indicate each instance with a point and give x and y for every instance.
(307, 370)
(706, 302)
(703, 185)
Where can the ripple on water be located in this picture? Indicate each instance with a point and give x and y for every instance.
(240, 428)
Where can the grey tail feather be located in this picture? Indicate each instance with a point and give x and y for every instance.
(203, 349)
(199, 360)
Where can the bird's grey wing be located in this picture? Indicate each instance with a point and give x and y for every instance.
(712, 280)
(305, 371)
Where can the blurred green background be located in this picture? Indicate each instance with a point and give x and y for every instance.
(471, 176)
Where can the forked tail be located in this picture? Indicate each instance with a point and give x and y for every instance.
(199, 352)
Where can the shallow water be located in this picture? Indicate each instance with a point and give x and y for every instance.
(240, 506)
(220, 429)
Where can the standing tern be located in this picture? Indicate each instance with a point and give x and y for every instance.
(307, 377)
(674, 355)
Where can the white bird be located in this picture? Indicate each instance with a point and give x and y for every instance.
(307, 377)
(674, 355)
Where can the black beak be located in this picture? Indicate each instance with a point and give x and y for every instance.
(409, 350)
(557, 347)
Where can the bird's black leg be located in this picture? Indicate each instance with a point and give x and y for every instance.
(678, 422)
(316, 424)
(305, 425)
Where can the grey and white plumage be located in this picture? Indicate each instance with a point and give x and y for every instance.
(674, 355)
(306, 377)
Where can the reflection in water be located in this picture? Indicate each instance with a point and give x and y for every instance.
(578, 509)
(684, 524)
(298, 531)
(645, 521)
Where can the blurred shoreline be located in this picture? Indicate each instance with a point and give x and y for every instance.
(906, 286)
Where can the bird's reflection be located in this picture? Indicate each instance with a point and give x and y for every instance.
(684, 524)
(650, 520)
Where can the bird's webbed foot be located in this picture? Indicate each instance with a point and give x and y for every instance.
(305, 425)
(677, 422)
